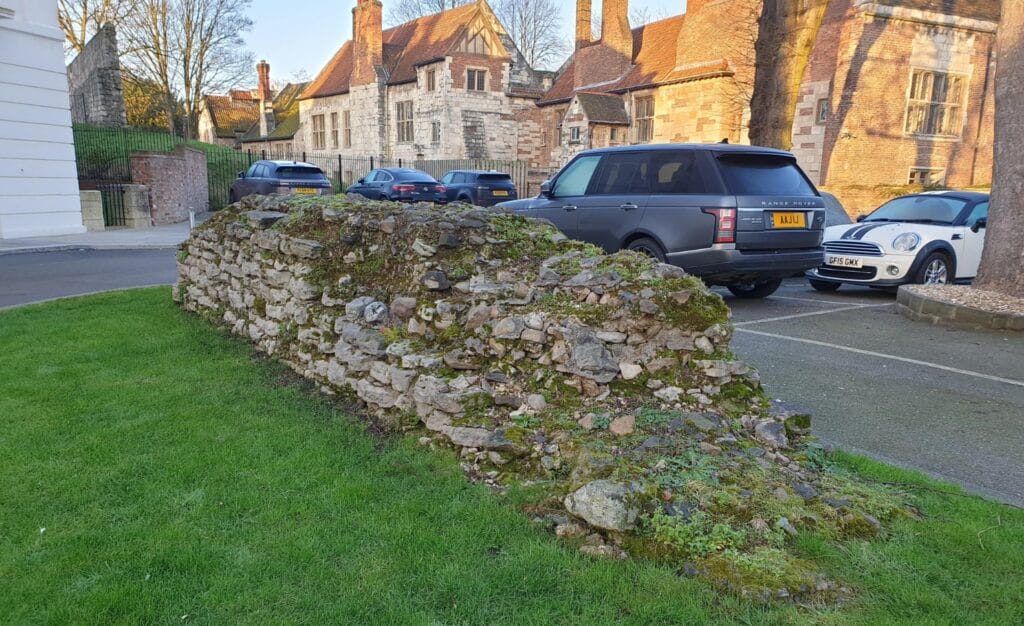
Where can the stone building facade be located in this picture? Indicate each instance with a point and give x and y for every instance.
(899, 92)
(682, 79)
(444, 86)
(38, 182)
(95, 88)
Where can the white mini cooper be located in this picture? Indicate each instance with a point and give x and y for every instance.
(930, 237)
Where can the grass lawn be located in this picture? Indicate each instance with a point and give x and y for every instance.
(180, 480)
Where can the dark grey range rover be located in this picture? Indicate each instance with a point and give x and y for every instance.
(738, 216)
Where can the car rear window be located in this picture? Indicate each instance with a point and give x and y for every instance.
(494, 178)
(763, 175)
(300, 173)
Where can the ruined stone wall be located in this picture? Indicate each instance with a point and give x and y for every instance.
(94, 82)
(467, 331)
(605, 379)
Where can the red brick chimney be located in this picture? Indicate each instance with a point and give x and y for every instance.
(584, 26)
(615, 31)
(367, 41)
(263, 80)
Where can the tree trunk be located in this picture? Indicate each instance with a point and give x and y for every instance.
(1002, 263)
(787, 30)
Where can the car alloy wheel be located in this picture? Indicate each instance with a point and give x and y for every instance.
(647, 247)
(937, 272)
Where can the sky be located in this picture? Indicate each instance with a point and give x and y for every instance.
(294, 35)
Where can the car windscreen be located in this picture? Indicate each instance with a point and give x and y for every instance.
(415, 178)
(300, 173)
(938, 209)
(763, 175)
(494, 178)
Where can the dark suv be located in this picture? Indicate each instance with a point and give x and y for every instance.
(482, 188)
(400, 185)
(738, 216)
(292, 177)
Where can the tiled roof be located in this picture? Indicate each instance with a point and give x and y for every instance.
(406, 47)
(230, 115)
(286, 115)
(603, 108)
(975, 9)
(654, 63)
(243, 94)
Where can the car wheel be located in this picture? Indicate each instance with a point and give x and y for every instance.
(465, 199)
(647, 247)
(755, 290)
(936, 270)
(231, 197)
(824, 285)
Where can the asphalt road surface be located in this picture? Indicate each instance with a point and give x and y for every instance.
(36, 276)
(948, 402)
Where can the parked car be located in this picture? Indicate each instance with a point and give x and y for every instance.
(289, 177)
(738, 216)
(400, 185)
(835, 214)
(479, 187)
(931, 237)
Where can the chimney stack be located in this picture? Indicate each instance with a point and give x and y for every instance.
(367, 41)
(615, 31)
(263, 80)
(584, 25)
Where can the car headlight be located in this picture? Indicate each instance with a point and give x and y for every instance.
(906, 242)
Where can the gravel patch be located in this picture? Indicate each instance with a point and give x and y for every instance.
(963, 295)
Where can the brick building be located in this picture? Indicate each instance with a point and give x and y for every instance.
(682, 79)
(444, 86)
(899, 92)
(253, 119)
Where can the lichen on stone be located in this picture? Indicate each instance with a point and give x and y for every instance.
(604, 383)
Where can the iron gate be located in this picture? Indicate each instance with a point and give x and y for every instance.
(114, 213)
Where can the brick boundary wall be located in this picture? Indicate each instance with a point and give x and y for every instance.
(178, 182)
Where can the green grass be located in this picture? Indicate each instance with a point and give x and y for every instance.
(177, 476)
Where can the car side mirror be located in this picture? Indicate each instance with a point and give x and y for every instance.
(241, 174)
(861, 218)
(981, 223)
(545, 189)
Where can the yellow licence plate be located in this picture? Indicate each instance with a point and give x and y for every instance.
(309, 191)
(789, 220)
(500, 192)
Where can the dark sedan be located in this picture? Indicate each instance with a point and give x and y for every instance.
(479, 187)
(400, 185)
(289, 177)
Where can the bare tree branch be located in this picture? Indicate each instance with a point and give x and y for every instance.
(531, 25)
(188, 48)
(80, 19)
(405, 10)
